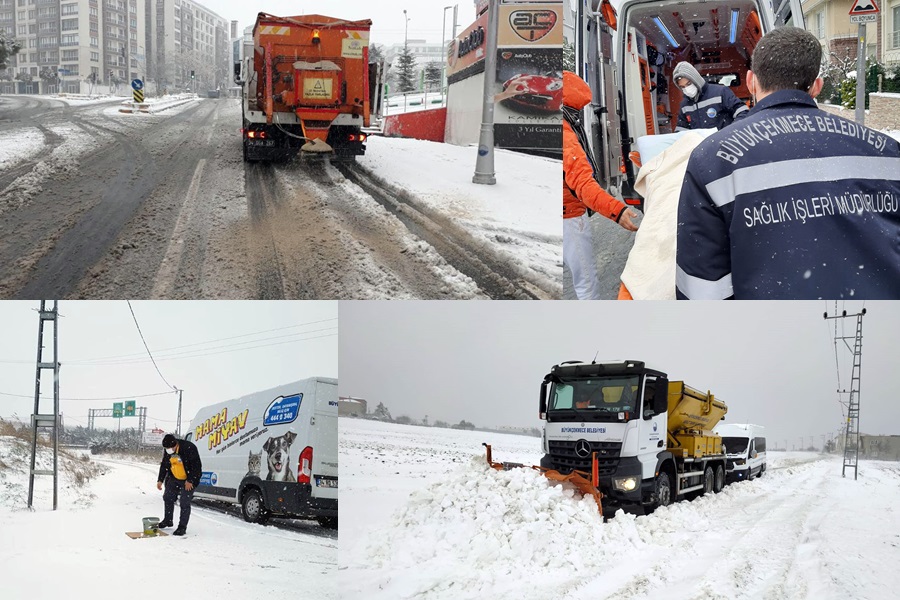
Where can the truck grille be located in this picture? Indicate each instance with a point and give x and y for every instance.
(565, 460)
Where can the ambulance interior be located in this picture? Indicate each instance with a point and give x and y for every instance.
(718, 38)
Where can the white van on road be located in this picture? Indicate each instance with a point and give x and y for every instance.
(745, 447)
(273, 452)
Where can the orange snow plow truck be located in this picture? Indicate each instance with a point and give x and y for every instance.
(305, 83)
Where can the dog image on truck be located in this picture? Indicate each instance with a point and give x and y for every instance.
(273, 452)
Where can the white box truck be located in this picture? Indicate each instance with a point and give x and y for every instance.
(745, 447)
(273, 452)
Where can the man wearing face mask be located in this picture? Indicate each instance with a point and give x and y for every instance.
(180, 471)
(705, 105)
(792, 202)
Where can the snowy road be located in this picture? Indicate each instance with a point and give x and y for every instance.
(83, 547)
(96, 203)
(441, 525)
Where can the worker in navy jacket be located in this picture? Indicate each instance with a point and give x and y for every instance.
(180, 471)
(791, 202)
(705, 105)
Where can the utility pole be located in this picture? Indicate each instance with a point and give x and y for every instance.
(45, 420)
(851, 433)
(178, 423)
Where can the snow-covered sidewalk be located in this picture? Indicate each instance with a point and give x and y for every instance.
(519, 217)
(81, 550)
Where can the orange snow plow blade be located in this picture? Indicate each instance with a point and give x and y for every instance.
(586, 483)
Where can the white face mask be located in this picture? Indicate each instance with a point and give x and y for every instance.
(170, 450)
(690, 90)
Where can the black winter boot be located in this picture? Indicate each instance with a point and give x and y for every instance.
(164, 524)
(179, 531)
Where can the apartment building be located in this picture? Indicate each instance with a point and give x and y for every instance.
(188, 38)
(72, 45)
(829, 20)
(76, 45)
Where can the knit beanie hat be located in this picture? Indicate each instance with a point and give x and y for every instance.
(687, 70)
(169, 441)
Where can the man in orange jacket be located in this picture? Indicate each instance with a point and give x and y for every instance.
(582, 192)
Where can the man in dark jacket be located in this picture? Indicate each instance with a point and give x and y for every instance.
(705, 105)
(792, 203)
(180, 470)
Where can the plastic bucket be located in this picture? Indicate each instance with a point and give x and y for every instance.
(151, 525)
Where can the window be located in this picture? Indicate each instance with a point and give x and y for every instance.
(895, 36)
(69, 40)
(95, 57)
(23, 29)
(69, 9)
(95, 42)
(820, 24)
(70, 54)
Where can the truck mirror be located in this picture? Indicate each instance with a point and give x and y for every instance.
(543, 402)
(237, 74)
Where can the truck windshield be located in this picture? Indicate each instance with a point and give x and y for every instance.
(735, 445)
(596, 399)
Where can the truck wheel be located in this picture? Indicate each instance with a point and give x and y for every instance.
(253, 508)
(663, 491)
(708, 481)
(720, 479)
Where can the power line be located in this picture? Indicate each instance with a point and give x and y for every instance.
(145, 346)
(161, 355)
(160, 351)
(93, 399)
(203, 353)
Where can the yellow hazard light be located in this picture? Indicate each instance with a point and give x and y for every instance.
(315, 38)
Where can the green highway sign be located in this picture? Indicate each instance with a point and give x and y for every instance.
(129, 408)
(117, 410)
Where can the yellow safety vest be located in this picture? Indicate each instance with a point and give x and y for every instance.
(177, 467)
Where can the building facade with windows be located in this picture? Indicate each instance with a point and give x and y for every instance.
(829, 20)
(76, 45)
(72, 45)
(187, 37)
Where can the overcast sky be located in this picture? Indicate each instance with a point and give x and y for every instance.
(425, 16)
(303, 344)
(773, 363)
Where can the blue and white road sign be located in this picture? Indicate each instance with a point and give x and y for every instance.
(137, 85)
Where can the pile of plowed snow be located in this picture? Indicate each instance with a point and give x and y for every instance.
(478, 527)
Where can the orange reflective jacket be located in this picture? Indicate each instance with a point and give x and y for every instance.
(580, 189)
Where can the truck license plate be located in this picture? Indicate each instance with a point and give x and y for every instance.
(326, 483)
(262, 142)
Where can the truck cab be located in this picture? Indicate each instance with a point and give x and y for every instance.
(628, 59)
(652, 438)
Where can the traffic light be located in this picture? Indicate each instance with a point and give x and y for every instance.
(192, 74)
(110, 75)
(123, 51)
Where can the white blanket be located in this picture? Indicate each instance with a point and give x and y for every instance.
(650, 270)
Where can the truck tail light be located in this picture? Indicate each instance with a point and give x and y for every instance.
(304, 466)
(353, 137)
(315, 37)
(251, 134)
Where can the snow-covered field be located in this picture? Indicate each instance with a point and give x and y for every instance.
(422, 516)
(81, 551)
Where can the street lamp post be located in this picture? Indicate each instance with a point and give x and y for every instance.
(484, 164)
(405, 30)
(444, 53)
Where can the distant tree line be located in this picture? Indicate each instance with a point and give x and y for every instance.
(381, 413)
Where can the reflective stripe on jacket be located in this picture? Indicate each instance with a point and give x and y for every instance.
(791, 203)
(716, 106)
